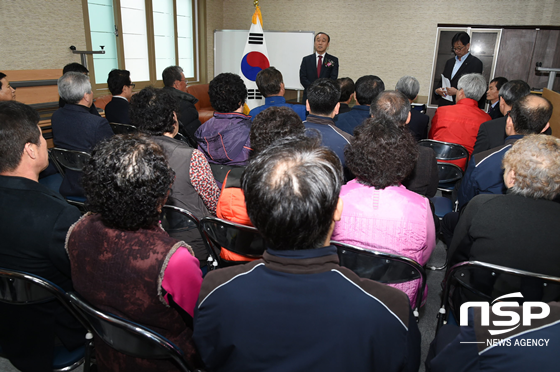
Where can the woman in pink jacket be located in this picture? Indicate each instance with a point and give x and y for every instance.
(379, 213)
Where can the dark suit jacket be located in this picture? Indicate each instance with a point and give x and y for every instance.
(471, 65)
(34, 223)
(424, 177)
(187, 114)
(75, 128)
(308, 70)
(490, 134)
(117, 111)
(418, 125)
(493, 134)
(495, 112)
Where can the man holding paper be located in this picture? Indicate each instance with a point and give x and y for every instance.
(463, 63)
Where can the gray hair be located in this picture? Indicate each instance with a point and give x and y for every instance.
(514, 90)
(72, 86)
(473, 85)
(409, 86)
(535, 159)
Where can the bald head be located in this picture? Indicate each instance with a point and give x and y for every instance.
(392, 106)
(529, 115)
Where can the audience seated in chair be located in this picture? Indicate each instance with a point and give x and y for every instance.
(493, 133)
(484, 174)
(224, 139)
(7, 92)
(394, 106)
(379, 212)
(77, 67)
(418, 124)
(347, 89)
(175, 84)
(367, 89)
(269, 126)
(271, 85)
(35, 221)
(322, 103)
(120, 86)
(122, 261)
(459, 123)
(194, 188)
(296, 308)
(519, 229)
(493, 97)
(74, 127)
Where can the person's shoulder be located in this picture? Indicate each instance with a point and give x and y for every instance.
(396, 302)
(224, 280)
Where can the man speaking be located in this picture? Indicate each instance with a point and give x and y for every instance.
(318, 65)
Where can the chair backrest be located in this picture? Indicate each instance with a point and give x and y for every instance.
(448, 172)
(71, 159)
(382, 267)
(488, 281)
(128, 337)
(19, 288)
(177, 220)
(119, 128)
(446, 150)
(240, 239)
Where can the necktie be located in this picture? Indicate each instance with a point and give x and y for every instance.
(319, 64)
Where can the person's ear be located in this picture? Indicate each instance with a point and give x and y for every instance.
(408, 118)
(177, 84)
(307, 105)
(336, 108)
(30, 150)
(545, 127)
(509, 178)
(338, 211)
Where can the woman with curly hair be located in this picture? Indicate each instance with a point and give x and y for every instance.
(122, 261)
(224, 139)
(379, 212)
(153, 111)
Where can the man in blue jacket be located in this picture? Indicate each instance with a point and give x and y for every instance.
(367, 89)
(297, 309)
(271, 86)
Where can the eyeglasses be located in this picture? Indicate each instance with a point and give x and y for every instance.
(457, 49)
(132, 85)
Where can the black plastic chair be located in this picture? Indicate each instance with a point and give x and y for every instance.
(481, 281)
(73, 160)
(448, 175)
(382, 267)
(446, 150)
(128, 337)
(20, 289)
(119, 128)
(240, 239)
(178, 221)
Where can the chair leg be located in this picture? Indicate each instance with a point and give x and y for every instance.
(88, 353)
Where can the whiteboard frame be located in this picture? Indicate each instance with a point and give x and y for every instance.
(282, 68)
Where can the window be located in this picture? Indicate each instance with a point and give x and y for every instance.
(142, 36)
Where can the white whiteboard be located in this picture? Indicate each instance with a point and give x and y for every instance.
(285, 52)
